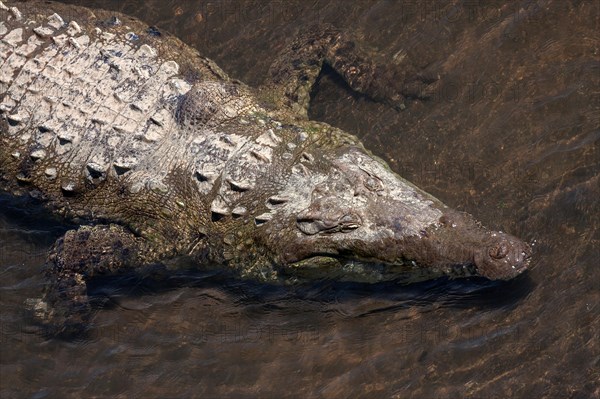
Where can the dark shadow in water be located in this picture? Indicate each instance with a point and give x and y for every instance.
(458, 293)
(26, 215)
(335, 78)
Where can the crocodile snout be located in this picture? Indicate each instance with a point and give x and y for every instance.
(504, 258)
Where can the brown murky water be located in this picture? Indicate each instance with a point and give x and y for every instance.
(511, 134)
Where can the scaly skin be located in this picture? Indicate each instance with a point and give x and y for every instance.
(160, 155)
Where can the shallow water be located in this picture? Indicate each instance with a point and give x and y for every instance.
(510, 134)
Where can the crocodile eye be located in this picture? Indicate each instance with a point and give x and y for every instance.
(373, 184)
(311, 223)
(499, 251)
(349, 222)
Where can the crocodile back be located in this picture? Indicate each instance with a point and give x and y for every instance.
(93, 96)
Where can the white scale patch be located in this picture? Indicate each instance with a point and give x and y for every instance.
(103, 101)
(298, 190)
(239, 167)
(423, 214)
(211, 153)
(298, 194)
(14, 37)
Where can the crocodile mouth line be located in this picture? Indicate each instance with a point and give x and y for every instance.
(316, 258)
(400, 267)
(338, 267)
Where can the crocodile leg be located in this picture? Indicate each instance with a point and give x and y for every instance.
(296, 69)
(75, 258)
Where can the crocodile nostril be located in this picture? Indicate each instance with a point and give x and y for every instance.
(499, 251)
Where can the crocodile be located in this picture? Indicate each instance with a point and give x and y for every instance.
(165, 161)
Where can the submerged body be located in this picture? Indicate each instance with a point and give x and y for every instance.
(160, 155)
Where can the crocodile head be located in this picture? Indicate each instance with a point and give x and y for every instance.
(362, 222)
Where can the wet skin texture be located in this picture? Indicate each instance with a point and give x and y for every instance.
(167, 162)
